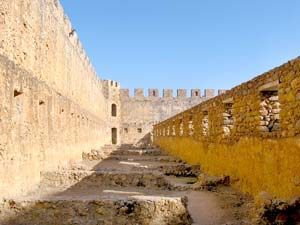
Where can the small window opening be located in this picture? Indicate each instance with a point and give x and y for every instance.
(17, 93)
(113, 110)
(154, 93)
(114, 136)
(173, 130)
(228, 120)
(139, 130)
(197, 93)
(111, 83)
(41, 102)
(181, 127)
(126, 130)
(191, 126)
(205, 124)
(269, 111)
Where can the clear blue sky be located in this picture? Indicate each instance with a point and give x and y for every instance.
(186, 43)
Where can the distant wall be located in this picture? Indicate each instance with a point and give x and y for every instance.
(52, 102)
(140, 112)
(250, 133)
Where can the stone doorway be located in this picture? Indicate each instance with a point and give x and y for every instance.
(114, 136)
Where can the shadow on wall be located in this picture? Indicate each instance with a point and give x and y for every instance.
(146, 141)
(143, 143)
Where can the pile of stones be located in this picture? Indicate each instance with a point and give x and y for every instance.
(269, 110)
(210, 182)
(181, 170)
(281, 212)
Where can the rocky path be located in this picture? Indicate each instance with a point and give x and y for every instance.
(128, 187)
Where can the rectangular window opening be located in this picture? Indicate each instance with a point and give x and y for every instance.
(205, 124)
(269, 111)
(191, 126)
(228, 119)
(181, 127)
(173, 128)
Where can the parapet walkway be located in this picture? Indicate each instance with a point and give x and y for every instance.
(138, 187)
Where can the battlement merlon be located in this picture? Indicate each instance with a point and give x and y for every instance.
(168, 93)
(139, 93)
(220, 92)
(125, 93)
(181, 93)
(209, 93)
(196, 93)
(153, 93)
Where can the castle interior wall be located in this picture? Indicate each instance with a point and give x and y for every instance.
(250, 133)
(52, 102)
(139, 113)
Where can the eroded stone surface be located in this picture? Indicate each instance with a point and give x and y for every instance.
(110, 191)
(135, 210)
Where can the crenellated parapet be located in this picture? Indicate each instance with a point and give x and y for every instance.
(110, 88)
(154, 93)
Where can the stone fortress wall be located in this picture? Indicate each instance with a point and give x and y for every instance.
(250, 133)
(139, 112)
(52, 104)
(54, 107)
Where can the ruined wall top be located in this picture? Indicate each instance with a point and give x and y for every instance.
(154, 93)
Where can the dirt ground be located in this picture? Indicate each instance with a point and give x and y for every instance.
(139, 178)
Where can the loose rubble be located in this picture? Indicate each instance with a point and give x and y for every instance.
(181, 170)
(210, 182)
(142, 190)
(269, 109)
(280, 212)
